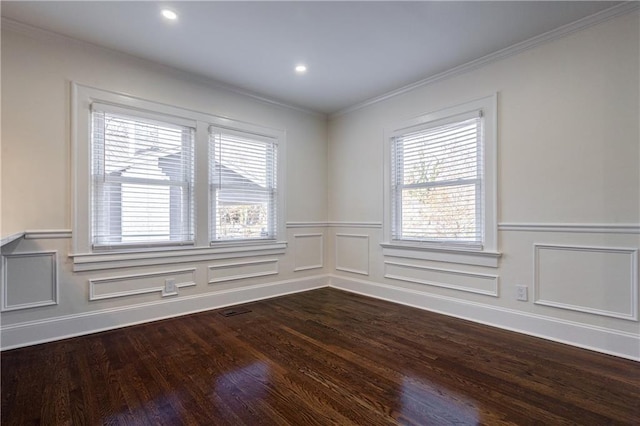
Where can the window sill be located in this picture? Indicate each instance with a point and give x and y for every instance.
(442, 254)
(99, 261)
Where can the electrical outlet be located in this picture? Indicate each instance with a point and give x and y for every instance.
(521, 293)
(170, 286)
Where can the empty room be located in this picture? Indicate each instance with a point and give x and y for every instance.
(320, 212)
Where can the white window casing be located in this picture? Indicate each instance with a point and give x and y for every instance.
(141, 182)
(440, 185)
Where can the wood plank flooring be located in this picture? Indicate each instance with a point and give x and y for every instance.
(324, 357)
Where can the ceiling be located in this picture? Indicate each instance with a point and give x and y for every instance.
(354, 51)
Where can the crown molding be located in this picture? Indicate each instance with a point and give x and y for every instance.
(565, 30)
(32, 31)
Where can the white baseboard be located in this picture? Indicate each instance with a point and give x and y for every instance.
(613, 342)
(34, 332)
(625, 345)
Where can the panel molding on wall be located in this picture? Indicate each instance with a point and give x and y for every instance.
(471, 282)
(242, 270)
(344, 224)
(352, 253)
(46, 275)
(308, 251)
(621, 290)
(335, 224)
(99, 287)
(42, 234)
(586, 228)
(605, 340)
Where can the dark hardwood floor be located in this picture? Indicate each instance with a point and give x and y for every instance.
(321, 357)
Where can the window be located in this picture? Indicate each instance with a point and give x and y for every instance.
(437, 182)
(243, 182)
(156, 184)
(142, 179)
(440, 180)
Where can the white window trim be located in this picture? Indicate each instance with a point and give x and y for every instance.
(488, 254)
(260, 132)
(86, 258)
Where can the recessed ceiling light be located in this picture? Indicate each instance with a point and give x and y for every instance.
(301, 69)
(169, 14)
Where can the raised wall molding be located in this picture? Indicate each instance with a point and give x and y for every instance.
(242, 270)
(29, 280)
(307, 224)
(601, 339)
(99, 261)
(596, 280)
(335, 224)
(37, 234)
(352, 253)
(438, 254)
(471, 282)
(308, 252)
(590, 228)
(373, 225)
(40, 234)
(605, 15)
(147, 283)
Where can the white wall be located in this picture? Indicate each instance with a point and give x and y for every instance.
(569, 153)
(37, 71)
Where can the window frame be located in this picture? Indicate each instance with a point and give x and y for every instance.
(85, 257)
(187, 185)
(272, 187)
(487, 253)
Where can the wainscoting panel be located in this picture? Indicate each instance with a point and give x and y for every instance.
(29, 280)
(308, 249)
(242, 270)
(130, 285)
(596, 280)
(352, 253)
(471, 282)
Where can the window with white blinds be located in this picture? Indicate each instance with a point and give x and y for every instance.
(243, 185)
(142, 179)
(437, 182)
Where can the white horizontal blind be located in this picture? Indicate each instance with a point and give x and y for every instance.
(437, 183)
(242, 175)
(142, 180)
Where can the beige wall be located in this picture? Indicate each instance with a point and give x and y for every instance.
(37, 70)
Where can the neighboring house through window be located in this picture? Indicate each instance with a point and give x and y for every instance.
(142, 179)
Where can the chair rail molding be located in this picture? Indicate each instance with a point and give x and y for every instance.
(593, 228)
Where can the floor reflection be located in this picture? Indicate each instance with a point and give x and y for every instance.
(424, 402)
(251, 381)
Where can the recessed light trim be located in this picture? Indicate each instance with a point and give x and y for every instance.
(169, 14)
(301, 69)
